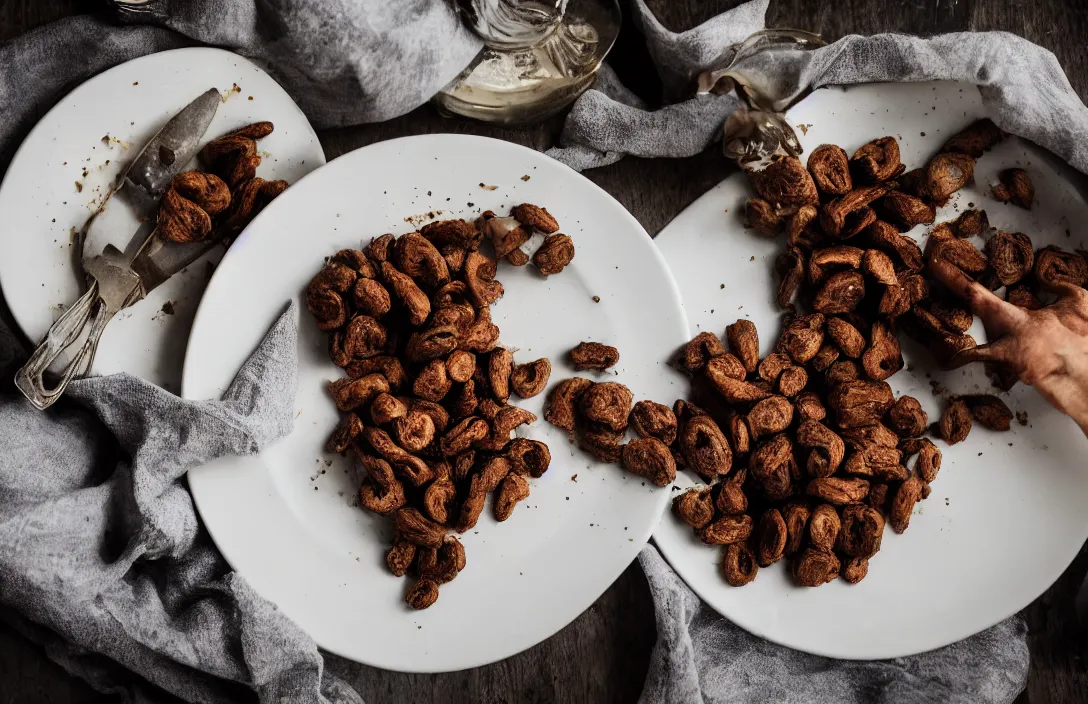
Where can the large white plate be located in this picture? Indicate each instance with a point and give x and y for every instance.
(40, 205)
(1007, 512)
(288, 520)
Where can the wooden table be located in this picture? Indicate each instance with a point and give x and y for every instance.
(602, 656)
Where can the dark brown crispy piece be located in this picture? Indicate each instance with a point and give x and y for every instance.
(861, 532)
(738, 565)
(422, 595)
(1023, 297)
(770, 416)
(824, 525)
(654, 420)
(907, 418)
(727, 530)
(528, 380)
(535, 217)
(1011, 256)
(563, 400)
(602, 442)
(830, 170)
(527, 456)
(883, 358)
(1015, 187)
(695, 354)
(837, 490)
(554, 254)
(979, 137)
(650, 458)
(785, 182)
(744, 343)
(826, 448)
(762, 217)
(877, 161)
(989, 411)
(594, 355)
(512, 489)
(815, 567)
(855, 569)
(929, 461)
(905, 211)
(771, 536)
(608, 403)
(790, 266)
(705, 448)
(1054, 266)
(802, 338)
(695, 507)
(906, 496)
(955, 421)
(349, 428)
(458, 233)
(970, 223)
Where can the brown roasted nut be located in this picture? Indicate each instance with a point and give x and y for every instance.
(827, 448)
(733, 390)
(772, 366)
(695, 507)
(866, 436)
(771, 536)
(978, 137)
(849, 214)
(388, 367)
(827, 260)
(505, 422)
(792, 381)
(654, 420)
(482, 334)
(695, 354)
(464, 435)
(602, 442)
(823, 527)
(738, 565)
(207, 191)
(438, 414)
(233, 157)
(379, 247)
(473, 505)
(838, 491)
(726, 365)
(970, 223)
(349, 394)
(348, 429)
(492, 473)
(802, 338)
(563, 400)
(799, 230)
(887, 238)
(785, 182)
(770, 416)
(830, 170)
(608, 403)
(1055, 266)
(416, 257)
(506, 234)
(404, 463)
(1011, 256)
(929, 461)
(458, 233)
(796, 515)
(878, 495)
(460, 366)
(876, 462)
(455, 293)
(356, 261)
(704, 448)
(481, 287)
(727, 530)
(381, 492)
(877, 161)
(907, 418)
(953, 317)
(828, 355)
(905, 211)
(327, 307)
(438, 500)
(990, 411)
(841, 293)
(762, 217)
(371, 297)
(463, 464)
(535, 217)
(413, 431)
(528, 380)
(432, 383)
(514, 488)
(770, 465)
(443, 563)
(847, 337)
(883, 358)
(422, 595)
(744, 343)
(530, 457)
(815, 567)
(790, 266)
(860, 403)
(946, 347)
(944, 175)
(1023, 297)
(431, 343)
(364, 337)
(554, 254)
(855, 569)
(410, 295)
(650, 458)
(808, 406)
(500, 365)
(1015, 188)
(594, 355)
(731, 500)
(955, 421)
(841, 372)
(413, 527)
(740, 437)
(400, 557)
(906, 496)
(463, 402)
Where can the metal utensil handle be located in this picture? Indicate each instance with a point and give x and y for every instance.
(88, 310)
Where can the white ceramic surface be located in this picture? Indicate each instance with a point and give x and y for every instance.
(41, 207)
(1007, 512)
(288, 521)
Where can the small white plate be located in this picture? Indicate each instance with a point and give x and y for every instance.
(41, 207)
(1007, 512)
(288, 521)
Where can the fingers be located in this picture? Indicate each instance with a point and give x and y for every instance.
(1000, 351)
(998, 316)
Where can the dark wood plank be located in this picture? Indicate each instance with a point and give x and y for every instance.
(603, 655)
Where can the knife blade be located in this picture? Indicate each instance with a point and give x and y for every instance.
(125, 220)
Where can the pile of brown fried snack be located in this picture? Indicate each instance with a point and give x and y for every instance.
(221, 201)
(426, 398)
(815, 444)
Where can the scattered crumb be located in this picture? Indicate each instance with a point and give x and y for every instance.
(596, 299)
(488, 188)
(804, 128)
(938, 390)
(923, 134)
(233, 89)
(525, 177)
(168, 307)
(250, 98)
(79, 186)
(721, 286)
(574, 477)
(1021, 418)
(752, 259)
(135, 83)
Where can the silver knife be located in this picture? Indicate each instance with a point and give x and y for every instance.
(120, 273)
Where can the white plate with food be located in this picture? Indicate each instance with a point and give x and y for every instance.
(66, 165)
(290, 521)
(1006, 513)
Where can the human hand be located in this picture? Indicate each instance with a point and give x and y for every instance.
(1046, 348)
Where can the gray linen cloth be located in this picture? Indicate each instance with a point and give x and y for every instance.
(148, 592)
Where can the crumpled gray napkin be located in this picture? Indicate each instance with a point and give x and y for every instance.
(103, 559)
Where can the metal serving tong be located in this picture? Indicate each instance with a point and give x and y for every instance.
(120, 271)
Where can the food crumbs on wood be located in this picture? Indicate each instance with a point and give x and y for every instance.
(525, 177)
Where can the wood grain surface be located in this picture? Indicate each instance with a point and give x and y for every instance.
(603, 655)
